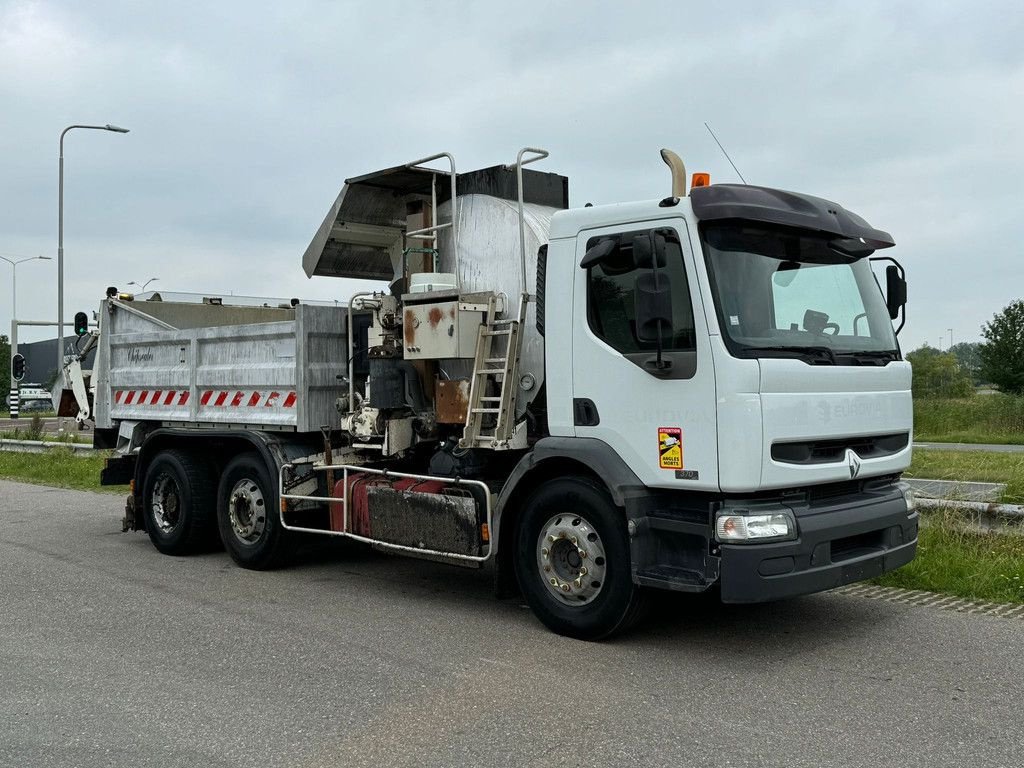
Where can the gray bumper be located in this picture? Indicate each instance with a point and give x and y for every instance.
(840, 541)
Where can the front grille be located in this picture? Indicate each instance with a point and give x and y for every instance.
(855, 546)
(832, 451)
(832, 490)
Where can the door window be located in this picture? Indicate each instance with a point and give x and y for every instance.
(611, 301)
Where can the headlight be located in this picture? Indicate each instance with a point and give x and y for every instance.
(738, 527)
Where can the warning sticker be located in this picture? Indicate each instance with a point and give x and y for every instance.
(670, 447)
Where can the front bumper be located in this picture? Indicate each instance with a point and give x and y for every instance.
(840, 541)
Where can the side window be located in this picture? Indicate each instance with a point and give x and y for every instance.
(611, 295)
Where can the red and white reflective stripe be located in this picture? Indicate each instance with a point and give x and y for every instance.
(211, 398)
(161, 397)
(240, 398)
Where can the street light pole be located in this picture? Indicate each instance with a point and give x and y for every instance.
(14, 317)
(14, 278)
(60, 236)
(143, 286)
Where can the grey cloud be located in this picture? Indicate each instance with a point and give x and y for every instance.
(245, 123)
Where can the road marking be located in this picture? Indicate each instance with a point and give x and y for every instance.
(922, 599)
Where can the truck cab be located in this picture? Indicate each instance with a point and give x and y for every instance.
(758, 395)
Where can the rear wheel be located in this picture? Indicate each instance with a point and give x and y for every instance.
(179, 501)
(572, 560)
(248, 516)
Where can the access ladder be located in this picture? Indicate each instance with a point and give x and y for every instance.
(491, 416)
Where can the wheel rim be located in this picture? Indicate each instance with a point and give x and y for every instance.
(571, 559)
(165, 503)
(247, 511)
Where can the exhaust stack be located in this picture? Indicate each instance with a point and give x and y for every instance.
(673, 161)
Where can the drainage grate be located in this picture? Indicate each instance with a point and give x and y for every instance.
(933, 600)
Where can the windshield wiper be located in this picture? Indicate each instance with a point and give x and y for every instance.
(825, 353)
(887, 355)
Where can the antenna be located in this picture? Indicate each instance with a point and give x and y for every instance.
(724, 152)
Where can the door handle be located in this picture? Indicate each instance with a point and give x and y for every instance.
(585, 412)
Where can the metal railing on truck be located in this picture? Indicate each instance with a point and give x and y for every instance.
(387, 475)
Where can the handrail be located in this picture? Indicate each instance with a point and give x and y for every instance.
(540, 154)
(386, 474)
(351, 354)
(433, 193)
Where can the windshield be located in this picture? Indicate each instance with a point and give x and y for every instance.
(785, 292)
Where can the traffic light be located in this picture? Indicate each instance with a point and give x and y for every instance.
(81, 324)
(18, 367)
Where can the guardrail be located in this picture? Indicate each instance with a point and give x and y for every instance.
(42, 446)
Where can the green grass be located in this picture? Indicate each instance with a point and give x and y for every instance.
(977, 466)
(59, 467)
(994, 418)
(954, 560)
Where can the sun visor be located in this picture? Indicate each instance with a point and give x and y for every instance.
(791, 209)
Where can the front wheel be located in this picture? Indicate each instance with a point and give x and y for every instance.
(248, 516)
(572, 560)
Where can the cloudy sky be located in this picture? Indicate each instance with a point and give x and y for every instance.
(245, 122)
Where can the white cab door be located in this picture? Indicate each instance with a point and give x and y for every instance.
(659, 419)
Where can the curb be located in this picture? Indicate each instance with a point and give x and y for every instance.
(920, 598)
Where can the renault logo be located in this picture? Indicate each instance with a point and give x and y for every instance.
(854, 461)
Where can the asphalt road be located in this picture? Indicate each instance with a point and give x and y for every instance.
(114, 655)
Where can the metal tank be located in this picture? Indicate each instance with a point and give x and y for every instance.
(489, 260)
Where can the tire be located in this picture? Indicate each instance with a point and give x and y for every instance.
(248, 516)
(582, 588)
(179, 500)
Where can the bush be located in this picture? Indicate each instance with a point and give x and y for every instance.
(1002, 352)
(938, 374)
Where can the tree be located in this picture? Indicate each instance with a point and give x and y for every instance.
(1002, 352)
(968, 356)
(5, 368)
(937, 374)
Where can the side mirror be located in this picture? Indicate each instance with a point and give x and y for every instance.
(653, 296)
(895, 291)
(599, 252)
(653, 306)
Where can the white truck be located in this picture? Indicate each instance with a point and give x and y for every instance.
(700, 391)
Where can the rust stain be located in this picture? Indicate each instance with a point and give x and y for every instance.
(408, 329)
(452, 401)
(434, 317)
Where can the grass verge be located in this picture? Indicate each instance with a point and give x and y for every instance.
(957, 561)
(59, 467)
(996, 418)
(977, 466)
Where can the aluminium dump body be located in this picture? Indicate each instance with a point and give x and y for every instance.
(203, 365)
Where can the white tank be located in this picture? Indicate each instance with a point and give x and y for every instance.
(490, 260)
